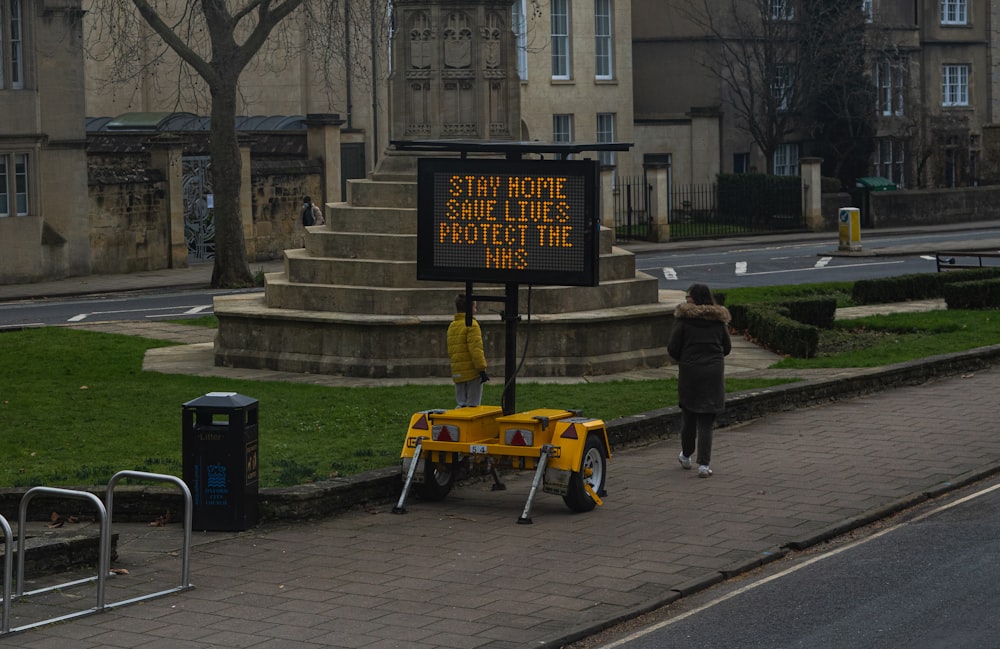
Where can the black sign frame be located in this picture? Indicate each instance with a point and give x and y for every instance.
(542, 265)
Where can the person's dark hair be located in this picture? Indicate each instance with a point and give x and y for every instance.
(460, 303)
(701, 294)
(307, 199)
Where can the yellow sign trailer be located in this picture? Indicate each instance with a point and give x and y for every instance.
(568, 453)
(552, 215)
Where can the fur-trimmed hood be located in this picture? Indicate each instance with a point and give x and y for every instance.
(703, 312)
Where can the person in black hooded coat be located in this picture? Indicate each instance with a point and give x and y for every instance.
(699, 342)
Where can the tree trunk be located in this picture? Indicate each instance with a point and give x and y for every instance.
(231, 269)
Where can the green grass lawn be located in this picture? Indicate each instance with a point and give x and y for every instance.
(76, 407)
(883, 339)
(886, 339)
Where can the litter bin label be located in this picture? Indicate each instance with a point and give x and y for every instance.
(251, 462)
(216, 486)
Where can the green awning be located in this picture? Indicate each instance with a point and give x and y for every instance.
(138, 121)
(875, 184)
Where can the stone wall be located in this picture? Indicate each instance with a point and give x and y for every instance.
(129, 229)
(934, 206)
(129, 215)
(919, 207)
(277, 189)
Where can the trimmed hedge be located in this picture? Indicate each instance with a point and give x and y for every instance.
(773, 327)
(790, 327)
(980, 294)
(917, 286)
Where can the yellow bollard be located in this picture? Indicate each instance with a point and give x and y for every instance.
(850, 228)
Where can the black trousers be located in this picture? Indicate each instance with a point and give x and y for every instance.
(696, 432)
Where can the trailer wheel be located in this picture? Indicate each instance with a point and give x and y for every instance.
(593, 471)
(439, 478)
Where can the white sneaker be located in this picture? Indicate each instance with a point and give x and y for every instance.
(704, 471)
(684, 460)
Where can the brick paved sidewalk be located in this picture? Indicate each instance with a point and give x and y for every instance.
(462, 573)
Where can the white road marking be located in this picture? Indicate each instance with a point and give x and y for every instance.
(173, 311)
(823, 262)
(669, 273)
(799, 270)
(175, 315)
(741, 268)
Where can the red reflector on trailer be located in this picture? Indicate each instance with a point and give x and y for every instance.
(421, 423)
(570, 432)
(444, 434)
(518, 437)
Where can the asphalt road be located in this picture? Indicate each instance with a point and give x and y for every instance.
(739, 264)
(930, 578)
(172, 305)
(720, 264)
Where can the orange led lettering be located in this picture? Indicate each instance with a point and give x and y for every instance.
(506, 259)
(554, 236)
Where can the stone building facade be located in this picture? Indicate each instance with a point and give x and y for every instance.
(930, 64)
(43, 170)
(575, 64)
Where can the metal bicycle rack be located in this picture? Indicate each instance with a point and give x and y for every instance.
(102, 560)
(105, 510)
(8, 569)
(185, 553)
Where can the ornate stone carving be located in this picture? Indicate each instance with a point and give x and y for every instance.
(492, 41)
(458, 41)
(452, 70)
(421, 35)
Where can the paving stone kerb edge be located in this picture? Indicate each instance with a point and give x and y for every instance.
(382, 486)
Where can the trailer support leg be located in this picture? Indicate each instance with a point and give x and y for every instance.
(400, 507)
(498, 485)
(543, 459)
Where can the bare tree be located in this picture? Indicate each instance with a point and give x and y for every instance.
(781, 64)
(216, 41)
(840, 99)
(754, 59)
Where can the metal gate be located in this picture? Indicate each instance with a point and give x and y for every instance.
(693, 212)
(632, 217)
(199, 226)
(735, 208)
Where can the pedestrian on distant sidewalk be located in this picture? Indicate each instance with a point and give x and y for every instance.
(699, 342)
(311, 213)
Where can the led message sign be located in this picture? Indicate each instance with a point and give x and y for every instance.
(524, 221)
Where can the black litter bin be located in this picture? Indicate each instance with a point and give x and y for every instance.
(220, 459)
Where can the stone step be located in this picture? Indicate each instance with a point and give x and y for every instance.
(361, 245)
(350, 227)
(304, 266)
(416, 297)
(343, 217)
(580, 343)
(391, 193)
